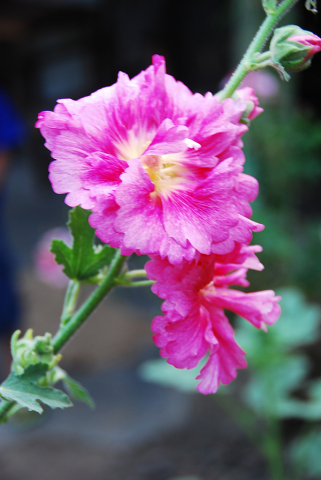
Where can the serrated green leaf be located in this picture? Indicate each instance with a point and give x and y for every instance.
(24, 390)
(63, 255)
(74, 388)
(83, 260)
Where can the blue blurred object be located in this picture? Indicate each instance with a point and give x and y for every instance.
(9, 298)
(12, 134)
(12, 128)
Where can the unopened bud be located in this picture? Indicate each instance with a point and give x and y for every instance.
(30, 351)
(292, 48)
(251, 109)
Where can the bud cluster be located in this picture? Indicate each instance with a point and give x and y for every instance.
(30, 351)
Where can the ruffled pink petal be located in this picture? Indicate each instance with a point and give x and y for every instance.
(169, 138)
(183, 342)
(242, 256)
(180, 284)
(241, 233)
(203, 215)
(141, 219)
(259, 308)
(223, 360)
(103, 220)
(235, 278)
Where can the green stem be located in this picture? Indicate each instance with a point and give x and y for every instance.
(263, 57)
(66, 331)
(135, 274)
(144, 283)
(70, 300)
(256, 45)
(272, 446)
(5, 407)
(246, 420)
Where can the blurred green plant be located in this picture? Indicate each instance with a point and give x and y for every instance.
(278, 387)
(288, 168)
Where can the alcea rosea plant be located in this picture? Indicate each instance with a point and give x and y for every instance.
(158, 170)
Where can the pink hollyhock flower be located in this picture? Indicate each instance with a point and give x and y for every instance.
(160, 167)
(196, 294)
(46, 267)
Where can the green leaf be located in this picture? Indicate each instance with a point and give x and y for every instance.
(78, 392)
(299, 321)
(160, 372)
(74, 388)
(305, 454)
(63, 255)
(269, 6)
(84, 259)
(268, 390)
(311, 5)
(24, 390)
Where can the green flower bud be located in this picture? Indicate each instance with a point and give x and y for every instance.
(30, 351)
(292, 48)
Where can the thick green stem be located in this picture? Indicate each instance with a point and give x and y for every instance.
(70, 300)
(5, 407)
(257, 44)
(66, 331)
(272, 446)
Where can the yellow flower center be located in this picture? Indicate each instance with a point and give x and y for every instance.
(165, 172)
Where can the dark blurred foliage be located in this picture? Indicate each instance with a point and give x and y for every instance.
(55, 49)
(284, 153)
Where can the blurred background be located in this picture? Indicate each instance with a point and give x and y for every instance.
(52, 49)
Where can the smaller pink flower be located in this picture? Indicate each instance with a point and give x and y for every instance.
(46, 267)
(196, 294)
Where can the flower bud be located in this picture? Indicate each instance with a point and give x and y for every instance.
(28, 351)
(250, 102)
(292, 48)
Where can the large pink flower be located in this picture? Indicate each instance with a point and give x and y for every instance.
(160, 167)
(196, 294)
